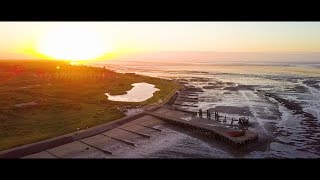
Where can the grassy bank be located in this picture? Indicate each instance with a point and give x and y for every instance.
(68, 98)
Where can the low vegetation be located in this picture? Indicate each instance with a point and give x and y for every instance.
(44, 99)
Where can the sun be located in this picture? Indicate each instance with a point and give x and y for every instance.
(72, 43)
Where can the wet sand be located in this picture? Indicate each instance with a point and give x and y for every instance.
(242, 111)
(286, 120)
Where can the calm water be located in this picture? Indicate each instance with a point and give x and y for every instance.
(288, 134)
(140, 92)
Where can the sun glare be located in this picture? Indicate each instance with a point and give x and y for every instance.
(72, 43)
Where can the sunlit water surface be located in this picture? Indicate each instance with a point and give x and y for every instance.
(289, 135)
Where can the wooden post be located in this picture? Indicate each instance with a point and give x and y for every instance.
(218, 117)
(208, 114)
(200, 113)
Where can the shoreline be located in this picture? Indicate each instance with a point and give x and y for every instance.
(74, 100)
(42, 145)
(47, 144)
(31, 148)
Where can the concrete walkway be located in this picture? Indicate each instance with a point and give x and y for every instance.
(112, 139)
(109, 144)
(45, 145)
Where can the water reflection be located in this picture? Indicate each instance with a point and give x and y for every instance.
(140, 92)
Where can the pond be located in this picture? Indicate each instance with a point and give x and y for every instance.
(140, 92)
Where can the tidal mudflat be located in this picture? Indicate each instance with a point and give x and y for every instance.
(282, 106)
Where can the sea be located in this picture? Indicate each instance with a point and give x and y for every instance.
(287, 119)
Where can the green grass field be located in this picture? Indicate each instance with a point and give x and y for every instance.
(69, 98)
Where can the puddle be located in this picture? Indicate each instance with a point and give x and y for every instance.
(140, 92)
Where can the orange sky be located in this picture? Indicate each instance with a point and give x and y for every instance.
(111, 40)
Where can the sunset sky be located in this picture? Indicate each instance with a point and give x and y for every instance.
(108, 40)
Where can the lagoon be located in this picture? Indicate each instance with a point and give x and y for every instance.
(140, 92)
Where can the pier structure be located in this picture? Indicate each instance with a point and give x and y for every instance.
(224, 130)
(228, 134)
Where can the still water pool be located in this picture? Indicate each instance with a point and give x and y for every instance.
(140, 92)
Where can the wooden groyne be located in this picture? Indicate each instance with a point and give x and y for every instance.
(187, 105)
(188, 93)
(182, 110)
(172, 99)
(217, 132)
(185, 95)
(187, 99)
(188, 96)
